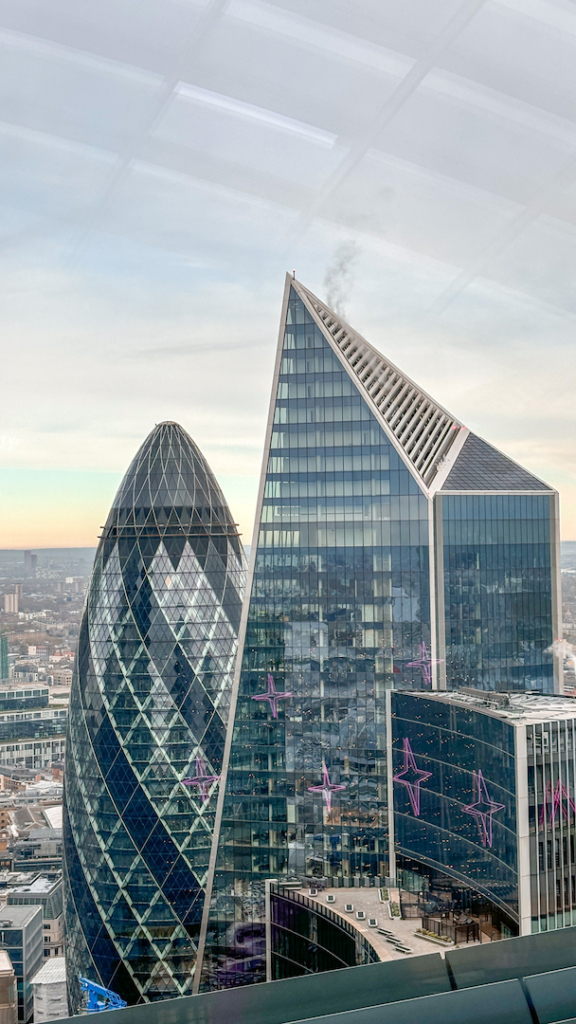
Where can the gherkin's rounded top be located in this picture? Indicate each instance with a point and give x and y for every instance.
(169, 470)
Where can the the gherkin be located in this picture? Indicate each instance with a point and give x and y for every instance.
(149, 709)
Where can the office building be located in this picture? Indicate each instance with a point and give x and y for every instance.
(50, 998)
(8, 996)
(21, 937)
(485, 803)
(32, 732)
(44, 891)
(24, 698)
(392, 548)
(148, 714)
(41, 850)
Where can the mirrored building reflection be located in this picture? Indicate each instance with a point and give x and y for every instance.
(148, 714)
(392, 549)
(494, 828)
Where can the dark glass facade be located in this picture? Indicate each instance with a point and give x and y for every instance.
(21, 699)
(32, 725)
(463, 772)
(339, 609)
(307, 939)
(495, 557)
(149, 708)
(22, 938)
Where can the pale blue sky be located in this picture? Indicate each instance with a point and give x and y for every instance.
(164, 162)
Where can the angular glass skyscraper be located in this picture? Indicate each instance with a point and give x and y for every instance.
(393, 548)
(148, 715)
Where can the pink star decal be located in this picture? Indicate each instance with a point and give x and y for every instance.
(483, 809)
(412, 777)
(424, 662)
(557, 802)
(273, 695)
(326, 788)
(202, 780)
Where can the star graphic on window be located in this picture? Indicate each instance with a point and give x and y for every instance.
(202, 780)
(273, 695)
(557, 803)
(326, 788)
(424, 662)
(412, 777)
(483, 809)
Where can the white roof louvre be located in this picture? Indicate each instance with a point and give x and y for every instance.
(423, 430)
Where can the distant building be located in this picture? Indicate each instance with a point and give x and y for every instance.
(41, 850)
(33, 739)
(47, 892)
(62, 677)
(11, 603)
(21, 935)
(19, 698)
(8, 994)
(49, 984)
(32, 731)
(25, 672)
(4, 662)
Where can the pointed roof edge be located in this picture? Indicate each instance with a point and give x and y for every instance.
(502, 473)
(425, 434)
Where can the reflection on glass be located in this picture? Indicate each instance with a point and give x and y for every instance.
(339, 608)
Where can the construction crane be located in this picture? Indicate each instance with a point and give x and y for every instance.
(100, 998)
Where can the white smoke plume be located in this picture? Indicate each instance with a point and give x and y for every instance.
(339, 276)
(563, 650)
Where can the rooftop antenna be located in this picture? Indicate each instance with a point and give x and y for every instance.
(293, 274)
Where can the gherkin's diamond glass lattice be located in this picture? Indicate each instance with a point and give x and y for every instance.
(150, 700)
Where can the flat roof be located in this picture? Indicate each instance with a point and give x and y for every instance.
(513, 705)
(52, 970)
(40, 886)
(17, 917)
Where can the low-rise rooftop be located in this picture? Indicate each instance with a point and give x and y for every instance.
(512, 705)
(18, 917)
(52, 970)
(38, 886)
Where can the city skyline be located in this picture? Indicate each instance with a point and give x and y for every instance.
(89, 491)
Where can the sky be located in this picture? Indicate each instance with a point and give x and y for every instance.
(163, 163)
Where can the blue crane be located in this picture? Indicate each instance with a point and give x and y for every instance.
(100, 998)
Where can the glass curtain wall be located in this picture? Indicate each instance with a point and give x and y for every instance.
(551, 750)
(497, 590)
(339, 608)
(454, 795)
(148, 714)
